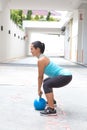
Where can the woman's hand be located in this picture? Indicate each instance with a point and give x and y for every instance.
(40, 93)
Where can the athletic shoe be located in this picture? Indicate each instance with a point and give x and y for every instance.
(49, 111)
(55, 104)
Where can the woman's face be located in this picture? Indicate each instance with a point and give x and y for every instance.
(35, 51)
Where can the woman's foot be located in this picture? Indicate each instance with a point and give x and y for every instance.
(49, 111)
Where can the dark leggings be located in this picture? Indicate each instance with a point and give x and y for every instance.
(55, 82)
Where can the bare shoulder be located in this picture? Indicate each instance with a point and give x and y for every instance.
(43, 61)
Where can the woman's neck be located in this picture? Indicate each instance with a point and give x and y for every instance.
(41, 55)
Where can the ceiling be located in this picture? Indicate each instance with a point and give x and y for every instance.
(57, 5)
(53, 5)
(60, 5)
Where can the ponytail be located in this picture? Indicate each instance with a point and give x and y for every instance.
(38, 44)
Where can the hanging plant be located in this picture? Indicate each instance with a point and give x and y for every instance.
(16, 16)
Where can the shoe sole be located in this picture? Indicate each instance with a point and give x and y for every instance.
(55, 105)
(55, 114)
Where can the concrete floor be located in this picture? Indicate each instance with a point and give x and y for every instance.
(18, 89)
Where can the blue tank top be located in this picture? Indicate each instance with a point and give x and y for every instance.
(53, 70)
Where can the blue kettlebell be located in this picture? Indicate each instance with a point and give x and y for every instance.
(39, 104)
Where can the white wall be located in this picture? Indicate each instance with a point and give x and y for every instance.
(54, 44)
(10, 46)
(78, 37)
(75, 37)
(85, 37)
(16, 44)
(66, 45)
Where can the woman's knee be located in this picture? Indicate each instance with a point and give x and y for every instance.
(47, 89)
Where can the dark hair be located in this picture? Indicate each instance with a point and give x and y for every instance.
(38, 44)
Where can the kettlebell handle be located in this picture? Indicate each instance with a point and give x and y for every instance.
(39, 97)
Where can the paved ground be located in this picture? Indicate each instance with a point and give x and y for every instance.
(18, 89)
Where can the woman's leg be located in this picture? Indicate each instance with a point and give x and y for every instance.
(51, 83)
(50, 99)
(49, 96)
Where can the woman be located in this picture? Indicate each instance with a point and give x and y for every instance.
(57, 76)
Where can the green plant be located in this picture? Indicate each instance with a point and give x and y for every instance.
(29, 15)
(36, 18)
(16, 16)
(48, 16)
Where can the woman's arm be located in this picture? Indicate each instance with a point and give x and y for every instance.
(41, 66)
(42, 63)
